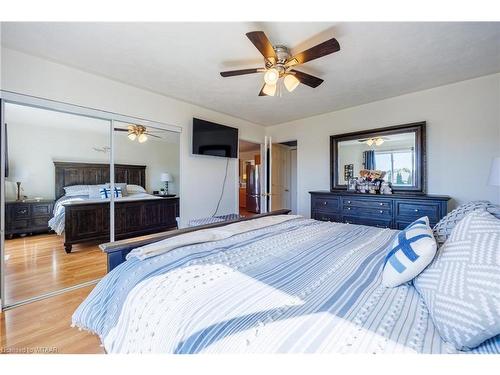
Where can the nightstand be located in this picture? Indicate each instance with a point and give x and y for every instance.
(165, 196)
(29, 216)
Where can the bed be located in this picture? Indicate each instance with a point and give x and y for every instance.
(80, 219)
(289, 285)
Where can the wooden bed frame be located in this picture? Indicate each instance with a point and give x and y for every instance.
(89, 221)
(118, 250)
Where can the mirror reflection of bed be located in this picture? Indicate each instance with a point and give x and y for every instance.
(58, 191)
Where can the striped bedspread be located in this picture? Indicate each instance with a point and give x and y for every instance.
(301, 286)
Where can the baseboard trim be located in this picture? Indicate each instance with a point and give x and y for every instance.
(48, 295)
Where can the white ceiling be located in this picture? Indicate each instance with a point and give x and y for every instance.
(32, 116)
(183, 60)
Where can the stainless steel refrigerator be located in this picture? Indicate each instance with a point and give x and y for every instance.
(253, 188)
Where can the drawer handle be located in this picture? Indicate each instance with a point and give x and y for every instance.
(325, 203)
(349, 208)
(381, 211)
(381, 204)
(349, 202)
(416, 209)
(325, 219)
(23, 211)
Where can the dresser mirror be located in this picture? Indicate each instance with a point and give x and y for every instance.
(399, 151)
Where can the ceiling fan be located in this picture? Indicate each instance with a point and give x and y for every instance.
(377, 141)
(139, 132)
(279, 64)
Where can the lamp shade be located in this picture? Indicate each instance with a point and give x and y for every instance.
(165, 177)
(494, 179)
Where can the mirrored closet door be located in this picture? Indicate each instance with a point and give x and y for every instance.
(57, 174)
(146, 165)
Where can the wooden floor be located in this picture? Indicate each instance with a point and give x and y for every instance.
(38, 264)
(43, 327)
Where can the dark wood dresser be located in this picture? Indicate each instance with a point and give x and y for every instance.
(25, 217)
(394, 211)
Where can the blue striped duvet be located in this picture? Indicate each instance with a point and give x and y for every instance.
(301, 286)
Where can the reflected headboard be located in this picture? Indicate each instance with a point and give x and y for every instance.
(69, 173)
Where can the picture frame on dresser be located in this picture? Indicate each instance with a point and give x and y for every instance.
(417, 130)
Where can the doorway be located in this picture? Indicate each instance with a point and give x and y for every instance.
(284, 176)
(249, 178)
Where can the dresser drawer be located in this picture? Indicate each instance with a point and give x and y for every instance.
(40, 222)
(19, 224)
(366, 202)
(414, 210)
(329, 204)
(367, 212)
(42, 209)
(325, 217)
(380, 223)
(20, 211)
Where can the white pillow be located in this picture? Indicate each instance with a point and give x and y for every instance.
(74, 190)
(412, 250)
(131, 189)
(461, 287)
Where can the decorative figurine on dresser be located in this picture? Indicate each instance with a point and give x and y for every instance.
(390, 188)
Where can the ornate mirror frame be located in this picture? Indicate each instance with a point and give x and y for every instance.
(418, 128)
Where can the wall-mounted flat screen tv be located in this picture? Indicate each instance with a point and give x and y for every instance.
(214, 139)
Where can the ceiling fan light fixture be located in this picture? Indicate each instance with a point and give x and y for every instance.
(269, 90)
(379, 141)
(132, 136)
(369, 142)
(142, 138)
(271, 76)
(291, 82)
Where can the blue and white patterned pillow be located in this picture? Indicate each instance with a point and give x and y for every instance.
(106, 193)
(461, 287)
(412, 251)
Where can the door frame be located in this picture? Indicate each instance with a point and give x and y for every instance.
(237, 182)
(52, 105)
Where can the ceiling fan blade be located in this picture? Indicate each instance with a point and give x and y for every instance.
(319, 50)
(260, 41)
(307, 79)
(152, 135)
(261, 93)
(121, 130)
(231, 73)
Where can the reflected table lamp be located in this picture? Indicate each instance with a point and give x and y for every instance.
(494, 179)
(166, 178)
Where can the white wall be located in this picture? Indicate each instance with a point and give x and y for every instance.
(34, 146)
(201, 176)
(463, 136)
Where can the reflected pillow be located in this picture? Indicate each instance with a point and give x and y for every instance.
(75, 190)
(461, 287)
(123, 187)
(106, 193)
(131, 189)
(95, 190)
(412, 250)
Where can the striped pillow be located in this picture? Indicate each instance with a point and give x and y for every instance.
(106, 193)
(413, 250)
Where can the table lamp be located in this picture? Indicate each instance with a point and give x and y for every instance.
(166, 178)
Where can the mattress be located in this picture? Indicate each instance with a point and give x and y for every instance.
(298, 286)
